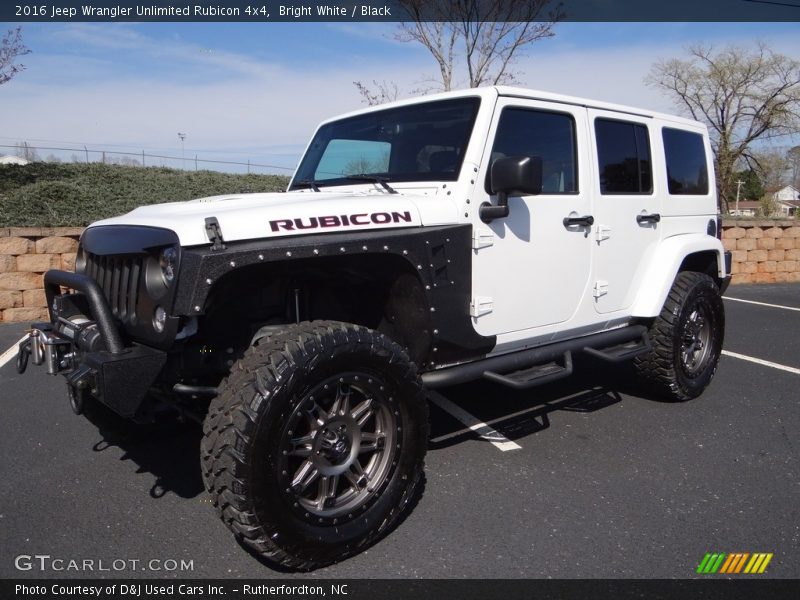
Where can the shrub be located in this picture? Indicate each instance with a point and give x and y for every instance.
(71, 194)
(48, 203)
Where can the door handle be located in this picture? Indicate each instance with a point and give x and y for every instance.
(585, 221)
(653, 218)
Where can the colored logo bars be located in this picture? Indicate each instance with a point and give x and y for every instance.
(740, 562)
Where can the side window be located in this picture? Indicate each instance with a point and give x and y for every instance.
(623, 151)
(548, 135)
(687, 172)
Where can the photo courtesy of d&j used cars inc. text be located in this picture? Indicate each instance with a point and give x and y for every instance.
(452, 299)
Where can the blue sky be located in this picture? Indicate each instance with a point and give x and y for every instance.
(255, 91)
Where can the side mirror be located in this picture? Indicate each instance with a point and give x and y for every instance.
(511, 175)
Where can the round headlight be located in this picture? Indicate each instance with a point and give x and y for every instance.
(159, 319)
(167, 261)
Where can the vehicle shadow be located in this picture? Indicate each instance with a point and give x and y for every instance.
(168, 449)
(517, 414)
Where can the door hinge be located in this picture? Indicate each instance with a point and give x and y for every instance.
(600, 288)
(482, 238)
(603, 232)
(214, 234)
(481, 305)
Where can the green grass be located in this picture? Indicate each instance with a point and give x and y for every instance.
(44, 194)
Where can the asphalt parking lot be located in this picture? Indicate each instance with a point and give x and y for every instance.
(585, 478)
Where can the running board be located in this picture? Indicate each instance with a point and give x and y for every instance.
(621, 352)
(532, 376)
(517, 366)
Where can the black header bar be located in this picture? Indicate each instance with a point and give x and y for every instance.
(399, 589)
(264, 11)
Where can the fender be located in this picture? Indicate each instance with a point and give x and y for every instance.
(664, 267)
(440, 256)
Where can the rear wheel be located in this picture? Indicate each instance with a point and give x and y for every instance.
(316, 442)
(687, 339)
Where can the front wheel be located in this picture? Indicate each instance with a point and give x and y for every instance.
(687, 339)
(316, 442)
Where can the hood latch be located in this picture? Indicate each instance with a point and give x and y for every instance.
(214, 234)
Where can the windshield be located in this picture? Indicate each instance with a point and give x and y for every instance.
(421, 142)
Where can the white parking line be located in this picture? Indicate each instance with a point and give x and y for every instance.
(761, 361)
(474, 424)
(762, 303)
(11, 352)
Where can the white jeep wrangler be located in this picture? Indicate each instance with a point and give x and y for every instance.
(490, 233)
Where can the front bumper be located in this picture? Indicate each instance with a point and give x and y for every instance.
(83, 342)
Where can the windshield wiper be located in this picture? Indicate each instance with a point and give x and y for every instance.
(373, 179)
(310, 183)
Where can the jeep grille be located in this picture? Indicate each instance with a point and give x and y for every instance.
(118, 277)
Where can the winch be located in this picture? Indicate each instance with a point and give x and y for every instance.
(83, 343)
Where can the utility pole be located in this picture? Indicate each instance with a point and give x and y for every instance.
(183, 154)
(739, 184)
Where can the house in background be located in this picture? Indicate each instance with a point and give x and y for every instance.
(747, 208)
(10, 159)
(787, 200)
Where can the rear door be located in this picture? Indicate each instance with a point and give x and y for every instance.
(627, 209)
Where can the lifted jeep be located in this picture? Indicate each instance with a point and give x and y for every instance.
(490, 233)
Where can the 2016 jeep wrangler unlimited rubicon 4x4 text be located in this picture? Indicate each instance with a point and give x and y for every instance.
(489, 233)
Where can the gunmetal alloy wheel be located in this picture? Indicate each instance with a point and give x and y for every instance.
(696, 336)
(686, 339)
(339, 447)
(315, 444)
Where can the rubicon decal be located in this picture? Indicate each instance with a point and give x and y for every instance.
(358, 219)
(734, 563)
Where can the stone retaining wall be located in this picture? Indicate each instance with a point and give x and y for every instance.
(25, 254)
(763, 252)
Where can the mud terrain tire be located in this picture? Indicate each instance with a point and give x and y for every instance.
(686, 339)
(315, 443)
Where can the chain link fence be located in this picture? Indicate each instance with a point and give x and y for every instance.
(193, 161)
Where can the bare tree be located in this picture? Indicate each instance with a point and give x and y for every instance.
(744, 95)
(793, 156)
(773, 169)
(382, 92)
(767, 206)
(11, 48)
(27, 152)
(480, 38)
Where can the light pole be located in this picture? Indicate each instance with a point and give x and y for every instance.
(739, 184)
(183, 154)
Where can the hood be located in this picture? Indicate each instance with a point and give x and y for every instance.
(258, 216)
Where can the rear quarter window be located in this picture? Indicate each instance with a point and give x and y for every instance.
(687, 170)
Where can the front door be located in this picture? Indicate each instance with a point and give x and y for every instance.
(531, 269)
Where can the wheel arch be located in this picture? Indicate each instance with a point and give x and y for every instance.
(378, 291)
(690, 252)
(435, 263)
